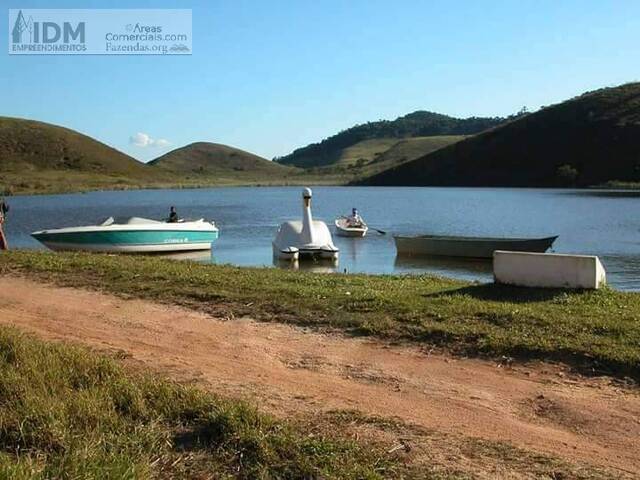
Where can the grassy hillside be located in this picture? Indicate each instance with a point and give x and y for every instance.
(375, 155)
(37, 157)
(588, 140)
(42, 146)
(40, 156)
(203, 158)
(417, 124)
(411, 148)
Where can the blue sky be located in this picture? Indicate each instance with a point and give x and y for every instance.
(270, 76)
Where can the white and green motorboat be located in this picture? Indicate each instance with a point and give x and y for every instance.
(132, 235)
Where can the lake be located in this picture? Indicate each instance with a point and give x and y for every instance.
(594, 222)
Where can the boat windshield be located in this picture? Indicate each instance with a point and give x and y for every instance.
(126, 221)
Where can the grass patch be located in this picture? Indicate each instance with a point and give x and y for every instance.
(594, 331)
(66, 412)
(45, 182)
(448, 456)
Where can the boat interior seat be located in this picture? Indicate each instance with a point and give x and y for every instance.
(139, 220)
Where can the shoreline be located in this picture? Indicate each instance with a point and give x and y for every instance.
(177, 186)
(312, 181)
(594, 332)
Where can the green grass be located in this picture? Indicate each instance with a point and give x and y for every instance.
(59, 181)
(594, 331)
(372, 156)
(377, 154)
(66, 412)
(409, 149)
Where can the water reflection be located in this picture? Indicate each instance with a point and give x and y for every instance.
(471, 268)
(203, 256)
(606, 193)
(350, 247)
(315, 265)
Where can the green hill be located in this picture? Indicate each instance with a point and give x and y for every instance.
(376, 137)
(41, 146)
(411, 148)
(40, 156)
(375, 155)
(37, 157)
(588, 140)
(213, 159)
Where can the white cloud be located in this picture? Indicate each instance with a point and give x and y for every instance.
(144, 140)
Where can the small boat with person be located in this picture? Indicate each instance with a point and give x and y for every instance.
(470, 247)
(351, 225)
(132, 235)
(308, 238)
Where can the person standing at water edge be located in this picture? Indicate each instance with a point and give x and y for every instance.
(173, 215)
(4, 208)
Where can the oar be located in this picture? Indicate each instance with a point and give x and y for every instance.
(381, 232)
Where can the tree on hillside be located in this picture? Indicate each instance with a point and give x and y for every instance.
(567, 175)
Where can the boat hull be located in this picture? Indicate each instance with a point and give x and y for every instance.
(129, 241)
(343, 231)
(294, 253)
(469, 247)
(323, 253)
(351, 232)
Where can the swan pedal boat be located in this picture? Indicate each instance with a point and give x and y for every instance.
(132, 235)
(346, 229)
(308, 238)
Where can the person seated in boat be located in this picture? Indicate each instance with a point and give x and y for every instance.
(355, 220)
(173, 216)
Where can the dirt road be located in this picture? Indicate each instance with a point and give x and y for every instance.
(290, 370)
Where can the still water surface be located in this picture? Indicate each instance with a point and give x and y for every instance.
(603, 223)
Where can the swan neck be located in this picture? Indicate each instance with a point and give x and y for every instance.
(307, 221)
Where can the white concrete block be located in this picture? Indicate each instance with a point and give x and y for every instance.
(550, 270)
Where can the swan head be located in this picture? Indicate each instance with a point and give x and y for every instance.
(306, 196)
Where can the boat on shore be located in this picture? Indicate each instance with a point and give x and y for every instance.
(132, 235)
(345, 227)
(470, 247)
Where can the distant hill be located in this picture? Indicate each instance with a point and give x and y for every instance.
(375, 155)
(384, 133)
(28, 145)
(37, 157)
(213, 159)
(40, 157)
(588, 140)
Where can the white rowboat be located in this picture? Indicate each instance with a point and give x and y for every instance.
(346, 228)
